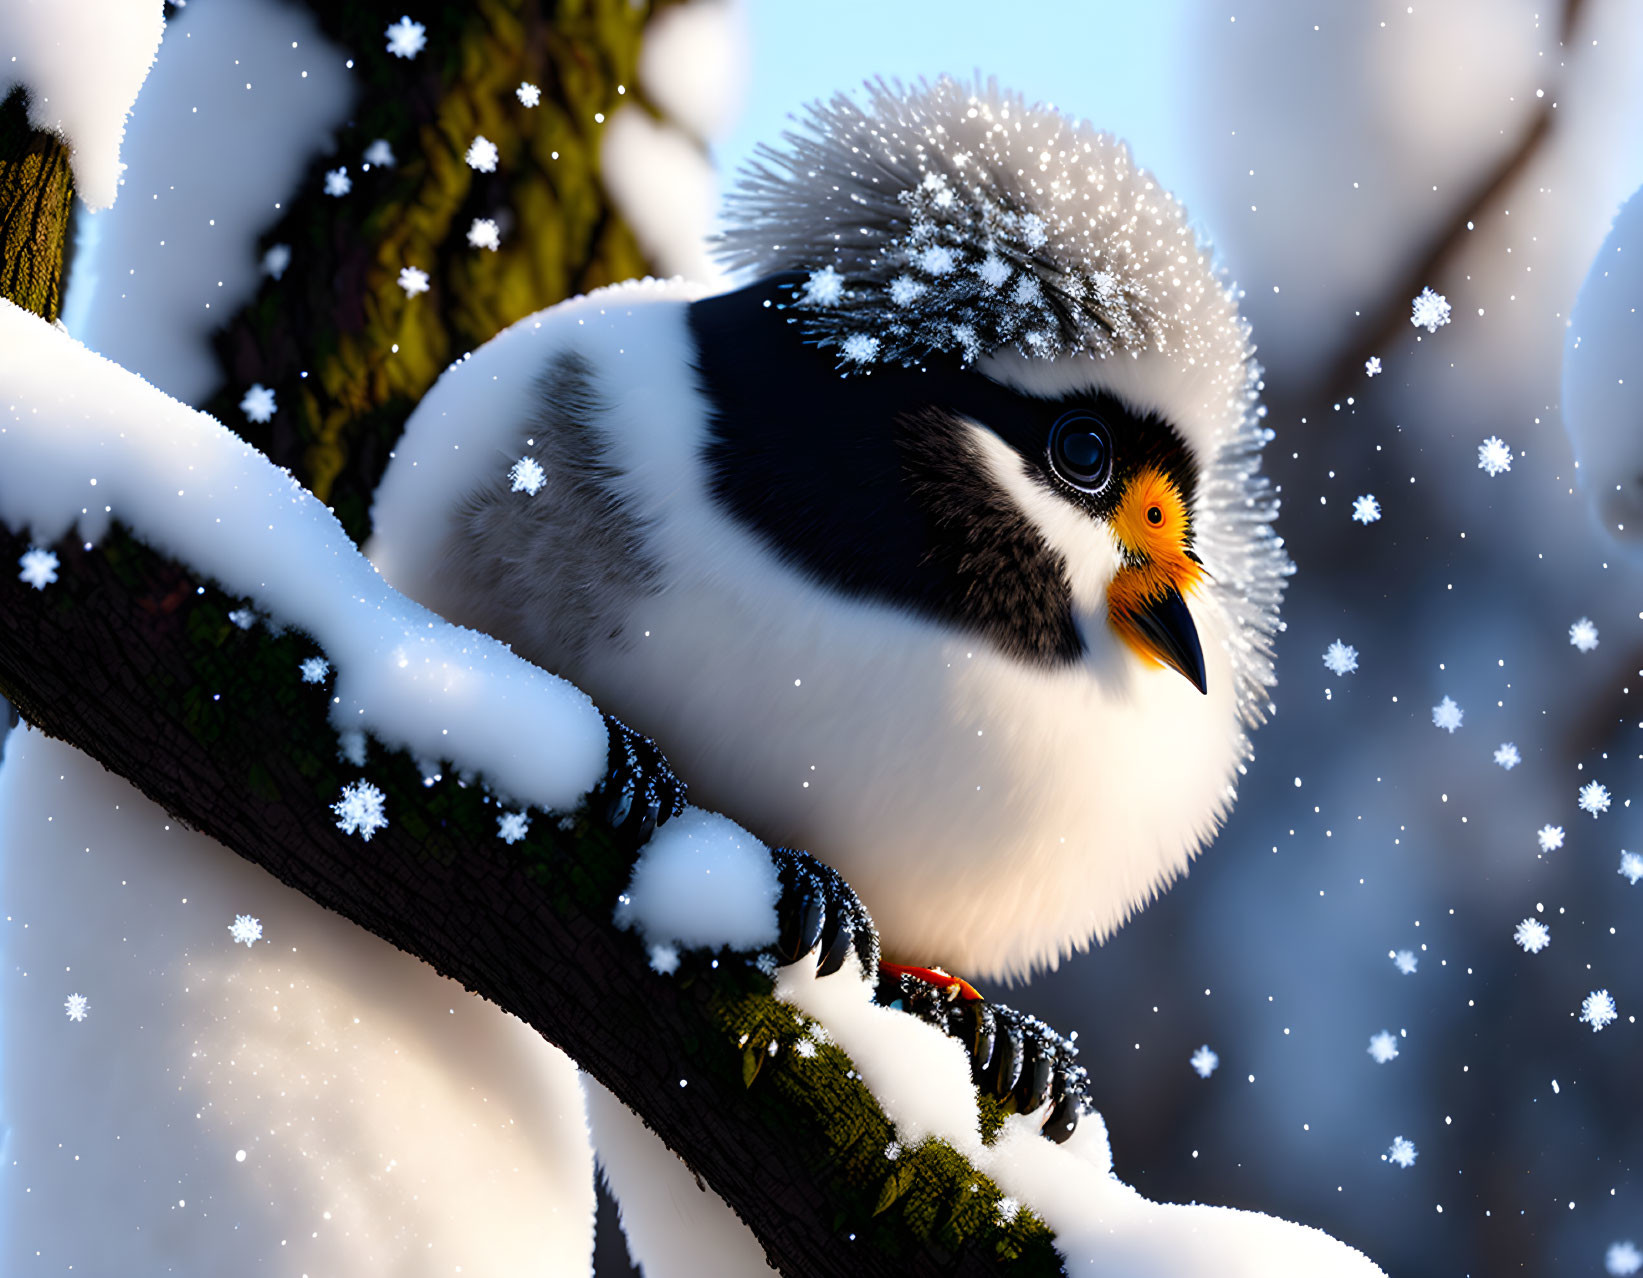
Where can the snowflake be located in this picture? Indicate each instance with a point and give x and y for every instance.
(1341, 658)
(528, 93)
(39, 567)
(824, 288)
(1598, 1009)
(527, 475)
(276, 260)
(1631, 865)
(1594, 798)
(1507, 756)
(337, 181)
(1551, 837)
(1447, 715)
(905, 290)
(413, 280)
(1204, 1061)
(406, 39)
(1494, 456)
(1008, 1208)
(1532, 935)
(1406, 962)
(1430, 311)
(1366, 510)
(859, 348)
(512, 826)
(351, 747)
(892, 1151)
(258, 404)
(314, 669)
(245, 930)
(380, 154)
(76, 1005)
(1383, 1047)
(244, 618)
(1623, 1258)
(664, 959)
(482, 154)
(1372, 366)
(359, 811)
(1583, 634)
(1403, 1152)
(993, 271)
(484, 233)
(805, 1048)
(938, 259)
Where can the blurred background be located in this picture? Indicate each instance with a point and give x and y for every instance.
(1341, 159)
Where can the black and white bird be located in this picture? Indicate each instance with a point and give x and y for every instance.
(940, 549)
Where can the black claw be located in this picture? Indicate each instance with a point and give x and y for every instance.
(837, 938)
(819, 909)
(638, 780)
(971, 1022)
(800, 924)
(1036, 1074)
(1063, 1119)
(1004, 1072)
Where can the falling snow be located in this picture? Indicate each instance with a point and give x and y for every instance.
(528, 93)
(1532, 935)
(39, 567)
(360, 809)
(337, 181)
(1406, 962)
(1507, 756)
(276, 260)
(245, 930)
(406, 39)
(664, 959)
(1372, 366)
(1494, 456)
(1447, 715)
(1430, 310)
(314, 669)
(512, 826)
(1383, 1047)
(1594, 798)
(244, 618)
(1598, 1009)
(482, 154)
(1551, 837)
(1583, 634)
(1403, 1152)
(258, 404)
(76, 1005)
(823, 288)
(413, 280)
(1623, 1258)
(1631, 865)
(1204, 1061)
(527, 476)
(1341, 658)
(859, 348)
(1366, 510)
(485, 234)
(380, 155)
(1008, 1208)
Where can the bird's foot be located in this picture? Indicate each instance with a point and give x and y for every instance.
(639, 790)
(1014, 1057)
(819, 912)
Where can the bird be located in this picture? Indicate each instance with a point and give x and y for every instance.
(936, 544)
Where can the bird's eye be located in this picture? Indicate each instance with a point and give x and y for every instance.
(1081, 451)
(1155, 515)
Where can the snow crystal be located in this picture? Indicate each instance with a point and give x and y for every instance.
(905, 290)
(360, 809)
(245, 930)
(1507, 756)
(1623, 1258)
(337, 181)
(805, 1048)
(1532, 935)
(1551, 837)
(258, 404)
(1583, 634)
(244, 618)
(1447, 715)
(1598, 1009)
(314, 669)
(702, 882)
(380, 155)
(512, 827)
(1403, 1152)
(993, 271)
(1366, 510)
(823, 288)
(413, 280)
(938, 259)
(1372, 366)
(859, 348)
(39, 567)
(665, 959)
(893, 1150)
(1631, 866)
(1204, 1061)
(351, 747)
(1406, 962)
(482, 154)
(1430, 310)
(1494, 456)
(1008, 1208)
(527, 476)
(275, 260)
(528, 94)
(1594, 798)
(76, 1005)
(485, 234)
(1383, 1047)
(406, 39)
(1341, 658)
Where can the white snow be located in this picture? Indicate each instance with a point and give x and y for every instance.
(1494, 456)
(1429, 310)
(274, 262)
(337, 181)
(244, 618)
(1372, 366)
(82, 62)
(361, 810)
(1623, 1258)
(76, 1006)
(413, 280)
(1631, 866)
(258, 404)
(245, 930)
(1341, 658)
(512, 827)
(702, 882)
(528, 94)
(859, 348)
(380, 155)
(1597, 1009)
(1532, 935)
(406, 39)
(1594, 798)
(823, 288)
(482, 154)
(1406, 961)
(1366, 510)
(39, 567)
(1403, 1152)
(1383, 1047)
(1204, 1061)
(1583, 634)
(484, 233)
(314, 669)
(195, 491)
(1550, 837)
(527, 476)
(1447, 715)
(1507, 755)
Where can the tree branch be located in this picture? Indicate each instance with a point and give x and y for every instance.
(36, 201)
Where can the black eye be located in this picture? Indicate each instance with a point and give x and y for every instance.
(1081, 451)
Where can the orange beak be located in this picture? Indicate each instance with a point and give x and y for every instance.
(1146, 602)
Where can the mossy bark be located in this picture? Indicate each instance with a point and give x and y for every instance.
(36, 205)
